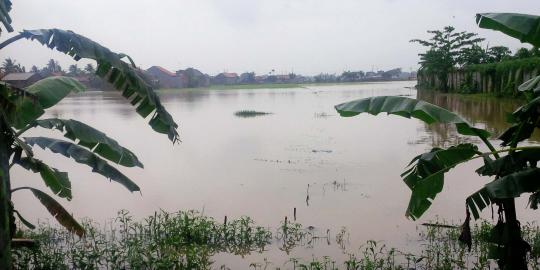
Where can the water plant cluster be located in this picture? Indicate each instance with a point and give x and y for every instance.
(189, 239)
(181, 240)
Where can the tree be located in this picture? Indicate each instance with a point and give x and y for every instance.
(444, 49)
(513, 174)
(73, 70)
(473, 55)
(522, 53)
(10, 66)
(499, 53)
(89, 68)
(351, 76)
(34, 69)
(20, 110)
(53, 66)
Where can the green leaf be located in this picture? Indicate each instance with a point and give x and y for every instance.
(57, 211)
(515, 184)
(408, 107)
(425, 177)
(51, 90)
(524, 27)
(5, 8)
(24, 221)
(123, 76)
(19, 106)
(532, 85)
(57, 181)
(509, 186)
(93, 139)
(22, 110)
(83, 156)
(528, 112)
(510, 163)
(478, 201)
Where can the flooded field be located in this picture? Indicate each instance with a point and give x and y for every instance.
(264, 153)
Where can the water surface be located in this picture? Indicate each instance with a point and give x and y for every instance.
(338, 172)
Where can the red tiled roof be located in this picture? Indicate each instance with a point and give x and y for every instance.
(229, 75)
(162, 69)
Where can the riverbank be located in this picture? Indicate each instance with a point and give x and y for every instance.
(278, 85)
(502, 78)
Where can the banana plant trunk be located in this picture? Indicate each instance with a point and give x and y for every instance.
(515, 256)
(5, 202)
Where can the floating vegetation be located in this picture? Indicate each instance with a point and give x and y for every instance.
(322, 115)
(250, 113)
(321, 151)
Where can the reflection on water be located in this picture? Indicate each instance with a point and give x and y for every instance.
(485, 112)
(335, 172)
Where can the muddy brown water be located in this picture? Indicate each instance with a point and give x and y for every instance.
(261, 166)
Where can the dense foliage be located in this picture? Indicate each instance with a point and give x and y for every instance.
(445, 49)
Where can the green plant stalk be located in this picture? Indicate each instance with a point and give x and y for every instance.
(5, 213)
(510, 217)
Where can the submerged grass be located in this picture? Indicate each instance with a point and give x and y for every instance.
(188, 240)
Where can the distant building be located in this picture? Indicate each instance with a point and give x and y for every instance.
(193, 78)
(247, 78)
(162, 78)
(225, 78)
(22, 80)
(260, 79)
(283, 78)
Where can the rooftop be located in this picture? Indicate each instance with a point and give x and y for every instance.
(23, 76)
(229, 75)
(164, 70)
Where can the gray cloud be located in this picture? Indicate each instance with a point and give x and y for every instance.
(307, 36)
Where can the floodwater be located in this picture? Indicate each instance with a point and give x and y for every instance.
(337, 172)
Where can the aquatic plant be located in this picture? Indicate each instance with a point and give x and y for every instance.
(181, 240)
(189, 239)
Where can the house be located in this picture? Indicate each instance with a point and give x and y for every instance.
(247, 78)
(163, 78)
(23, 79)
(225, 78)
(193, 78)
(285, 78)
(261, 78)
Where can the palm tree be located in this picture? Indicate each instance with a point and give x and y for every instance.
(10, 66)
(73, 70)
(21, 109)
(53, 66)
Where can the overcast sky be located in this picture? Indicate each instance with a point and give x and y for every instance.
(303, 36)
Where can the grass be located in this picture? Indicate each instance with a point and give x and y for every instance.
(256, 86)
(188, 240)
(272, 85)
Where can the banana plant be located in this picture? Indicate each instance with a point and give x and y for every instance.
(513, 168)
(22, 110)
